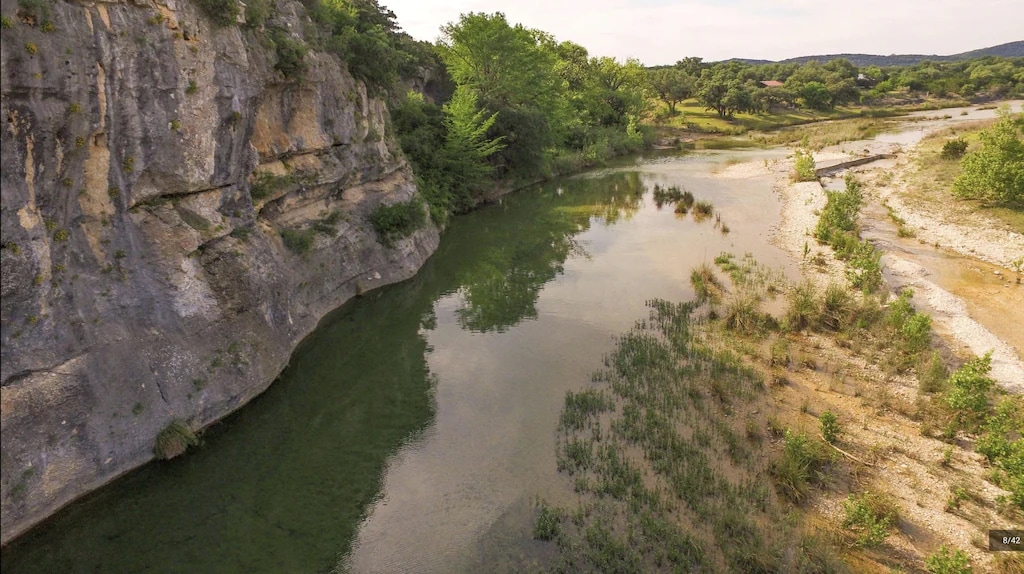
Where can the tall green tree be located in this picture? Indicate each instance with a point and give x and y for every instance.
(615, 90)
(672, 86)
(722, 91)
(514, 72)
(508, 66)
(467, 145)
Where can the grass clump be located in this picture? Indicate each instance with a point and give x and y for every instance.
(547, 525)
(870, 515)
(581, 407)
(803, 463)
(706, 284)
(397, 221)
(174, 440)
(802, 311)
(703, 209)
(932, 374)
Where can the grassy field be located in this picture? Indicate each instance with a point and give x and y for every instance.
(693, 117)
(932, 180)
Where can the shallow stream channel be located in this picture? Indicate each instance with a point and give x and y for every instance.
(415, 430)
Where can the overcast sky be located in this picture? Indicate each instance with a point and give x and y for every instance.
(664, 31)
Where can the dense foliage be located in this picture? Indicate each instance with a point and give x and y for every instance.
(995, 172)
(524, 106)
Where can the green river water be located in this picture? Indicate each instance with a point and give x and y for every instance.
(414, 431)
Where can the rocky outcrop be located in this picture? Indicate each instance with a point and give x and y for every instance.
(152, 166)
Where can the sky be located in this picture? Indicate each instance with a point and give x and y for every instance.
(664, 31)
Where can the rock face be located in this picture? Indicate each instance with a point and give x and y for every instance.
(151, 165)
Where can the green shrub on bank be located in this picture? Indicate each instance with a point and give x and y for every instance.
(954, 149)
(995, 171)
(968, 393)
(837, 227)
(948, 560)
(870, 515)
(804, 166)
(802, 463)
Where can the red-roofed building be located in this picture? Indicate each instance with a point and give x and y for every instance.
(772, 84)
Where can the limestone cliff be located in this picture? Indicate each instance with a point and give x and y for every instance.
(150, 164)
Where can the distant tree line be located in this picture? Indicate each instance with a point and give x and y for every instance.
(736, 87)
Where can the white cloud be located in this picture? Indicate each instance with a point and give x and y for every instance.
(663, 31)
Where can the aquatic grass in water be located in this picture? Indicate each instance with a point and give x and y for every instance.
(677, 482)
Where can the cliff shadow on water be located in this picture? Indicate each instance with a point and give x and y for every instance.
(282, 485)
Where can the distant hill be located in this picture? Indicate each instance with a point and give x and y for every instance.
(1010, 49)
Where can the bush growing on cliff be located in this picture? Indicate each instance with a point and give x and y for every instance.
(291, 54)
(393, 222)
(298, 240)
(174, 440)
(221, 12)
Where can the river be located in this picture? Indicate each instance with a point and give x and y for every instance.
(415, 430)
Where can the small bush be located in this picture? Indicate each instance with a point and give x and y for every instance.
(931, 374)
(948, 561)
(829, 426)
(174, 440)
(221, 12)
(954, 149)
(393, 222)
(870, 515)
(968, 392)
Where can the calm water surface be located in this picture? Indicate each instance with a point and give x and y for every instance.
(415, 430)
